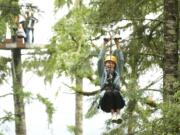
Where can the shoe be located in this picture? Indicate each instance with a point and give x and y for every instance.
(113, 118)
(20, 33)
(118, 119)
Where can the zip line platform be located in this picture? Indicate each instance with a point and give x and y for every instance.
(8, 44)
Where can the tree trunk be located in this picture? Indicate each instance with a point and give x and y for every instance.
(20, 124)
(77, 3)
(171, 27)
(79, 108)
(79, 97)
(131, 106)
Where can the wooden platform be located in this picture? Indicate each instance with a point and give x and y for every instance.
(8, 44)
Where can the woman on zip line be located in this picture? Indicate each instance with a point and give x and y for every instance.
(109, 70)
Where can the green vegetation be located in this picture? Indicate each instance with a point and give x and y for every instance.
(152, 43)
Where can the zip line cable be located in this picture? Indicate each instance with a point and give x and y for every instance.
(111, 37)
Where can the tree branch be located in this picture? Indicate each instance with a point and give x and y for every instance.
(73, 39)
(129, 19)
(152, 83)
(84, 93)
(157, 90)
(8, 117)
(8, 94)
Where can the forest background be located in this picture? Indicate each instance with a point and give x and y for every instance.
(152, 45)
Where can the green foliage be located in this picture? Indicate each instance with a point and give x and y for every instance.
(69, 52)
(4, 69)
(71, 129)
(105, 12)
(115, 131)
(8, 117)
(171, 120)
(61, 3)
(2, 29)
(164, 123)
(49, 106)
(39, 65)
(177, 95)
(9, 9)
(94, 106)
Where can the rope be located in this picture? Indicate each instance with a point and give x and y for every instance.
(111, 34)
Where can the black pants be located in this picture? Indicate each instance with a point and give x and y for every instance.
(112, 99)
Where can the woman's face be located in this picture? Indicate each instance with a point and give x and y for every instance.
(109, 65)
